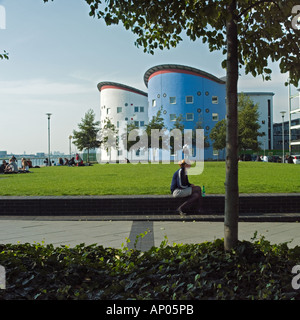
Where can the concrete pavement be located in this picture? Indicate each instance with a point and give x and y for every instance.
(72, 231)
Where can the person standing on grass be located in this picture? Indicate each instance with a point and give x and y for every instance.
(181, 188)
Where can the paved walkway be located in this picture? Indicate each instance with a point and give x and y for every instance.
(113, 233)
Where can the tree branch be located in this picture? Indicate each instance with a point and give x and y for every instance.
(255, 4)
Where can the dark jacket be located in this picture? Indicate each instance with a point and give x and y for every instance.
(180, 180)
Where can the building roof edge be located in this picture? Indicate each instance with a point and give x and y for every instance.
(183, 68)
(121, 86)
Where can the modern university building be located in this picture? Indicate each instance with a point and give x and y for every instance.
(121, 104)
(198, 97)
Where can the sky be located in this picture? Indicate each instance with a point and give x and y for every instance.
(57, 56)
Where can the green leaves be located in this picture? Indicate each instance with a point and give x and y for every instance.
(4, 55)
(264, 28)
(86, 136)
(253, 270)
(248, 126)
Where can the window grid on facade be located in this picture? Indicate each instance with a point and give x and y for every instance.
(172, 117)
(189, 99)
(119, 109)
(189, 117)
(215, 100)
(172, 100)
(215, 117)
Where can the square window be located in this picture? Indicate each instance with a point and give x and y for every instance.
(142, 123)
(153, 103)
(136, 109)
(142, 109)
(189, 99)
(172, 100)
(136, 123)
(215, 117)
(189, 117)
(119, 109)
(172, 117)
(214, 100)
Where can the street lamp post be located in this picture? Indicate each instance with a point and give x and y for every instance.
(70, 138)
(49, 115)
(282, 114)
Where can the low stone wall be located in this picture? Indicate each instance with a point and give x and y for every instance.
(141, 205)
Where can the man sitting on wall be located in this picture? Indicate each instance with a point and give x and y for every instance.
(181, 187)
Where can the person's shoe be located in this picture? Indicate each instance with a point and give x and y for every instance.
(180, 212)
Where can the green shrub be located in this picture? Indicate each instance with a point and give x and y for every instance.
(254, 270)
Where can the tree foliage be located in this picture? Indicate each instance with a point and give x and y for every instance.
(154, 127)
(265, 32)
(86, 136)
(248, 124)
(4, 55)
(218, 135)
(108, 136)
(248, 127)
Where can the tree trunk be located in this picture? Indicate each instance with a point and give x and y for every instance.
(231, 182)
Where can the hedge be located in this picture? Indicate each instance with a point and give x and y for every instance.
(253, 270)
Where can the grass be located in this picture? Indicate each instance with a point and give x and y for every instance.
(122, 179)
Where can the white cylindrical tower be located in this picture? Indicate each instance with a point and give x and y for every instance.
(121, 105)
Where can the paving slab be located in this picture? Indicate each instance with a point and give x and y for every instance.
(115, 233)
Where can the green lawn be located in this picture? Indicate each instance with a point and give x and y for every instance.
(254, 177)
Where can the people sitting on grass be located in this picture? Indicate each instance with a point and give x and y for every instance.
(29, 163)
(72, 162)
(79, 161)
(25, 166)
(11, 167)
(3, 166)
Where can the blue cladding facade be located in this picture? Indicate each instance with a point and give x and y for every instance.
(197, 96)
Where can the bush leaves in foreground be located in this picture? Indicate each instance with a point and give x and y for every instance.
(254, 270)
